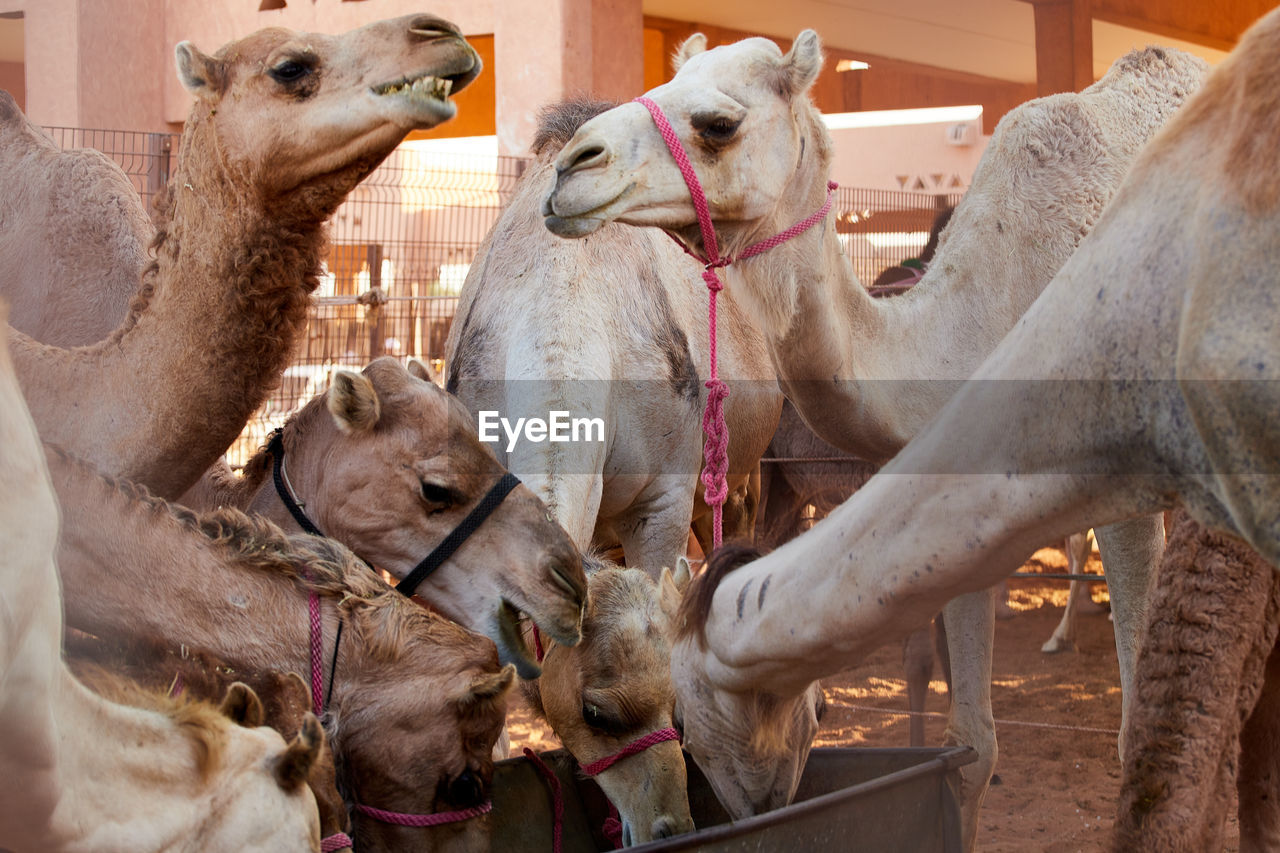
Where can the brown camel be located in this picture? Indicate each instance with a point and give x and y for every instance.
(73, 235)
(388, 464)
(80, 772)
(284, 125)
(614, 687)
(413, 703)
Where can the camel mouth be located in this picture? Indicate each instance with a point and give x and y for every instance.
(426, 87)
(508, 636)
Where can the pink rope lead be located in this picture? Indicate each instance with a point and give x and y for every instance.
(424, 820)
(638, 745)
(715, 450)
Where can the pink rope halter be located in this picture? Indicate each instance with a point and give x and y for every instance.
(715, 473)
(613, 825)
(341, 840)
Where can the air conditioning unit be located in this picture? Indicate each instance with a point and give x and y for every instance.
(963, 134)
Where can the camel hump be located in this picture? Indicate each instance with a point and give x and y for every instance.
(557, 123)
(8, 107)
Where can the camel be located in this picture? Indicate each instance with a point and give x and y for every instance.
(413, 703)
(1175, 283)
(868, 374)
(615, 687)
(284, 125)
(79, 772)
(73, 237)
(284, 704)
(389, 464)
(613, 328)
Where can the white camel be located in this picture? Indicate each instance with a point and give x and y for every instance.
(1177, 285)
(612, 328)
(867, 374)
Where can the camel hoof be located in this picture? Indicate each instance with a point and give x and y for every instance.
(1054, 645)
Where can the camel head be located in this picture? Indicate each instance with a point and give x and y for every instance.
(615, 687)
(752, 746)
(416, 723)
(286, 111)
(393, 464)
(744, 117)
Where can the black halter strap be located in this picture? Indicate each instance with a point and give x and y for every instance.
(275, 446)
(459, 534)
(491, 501)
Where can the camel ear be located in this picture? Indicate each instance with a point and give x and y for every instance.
(802, 63)
(424, 371)
(294, 764)
(683, 573)
(290, 702)
(353, 402)
(242, 705)
(671, 588)
(487, 689)
(201, 75)
(694, 44)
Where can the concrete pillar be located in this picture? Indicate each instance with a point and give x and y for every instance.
(51, 48)
(570, 47)
(1064, 46)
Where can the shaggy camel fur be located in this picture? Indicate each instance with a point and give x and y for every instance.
(237, 588)
(1050, 168)
(285, 701)
(613, 328)
(82, 773)
(73, 235)
(1178, 374)
(1197, 725)
(284, 125)
(388, 464)
(614, 687)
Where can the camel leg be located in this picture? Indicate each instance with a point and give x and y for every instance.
(1259, 781)
(1064, 636)
(1214, 615)
(917, 662)
(1131, 551)
(970, 626)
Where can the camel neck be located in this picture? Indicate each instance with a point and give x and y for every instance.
(252, 617)
(865, 373)
(211, 331)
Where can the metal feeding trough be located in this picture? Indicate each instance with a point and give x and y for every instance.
(881, 800)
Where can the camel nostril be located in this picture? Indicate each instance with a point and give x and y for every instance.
(585, 158)
(430, 28)
(664, 827)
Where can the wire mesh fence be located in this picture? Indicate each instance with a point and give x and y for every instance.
(401, 244)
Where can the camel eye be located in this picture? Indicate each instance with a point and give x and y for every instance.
(465, 791)
(720, 129)
(289, 71)
(437, 496)
(597, 719)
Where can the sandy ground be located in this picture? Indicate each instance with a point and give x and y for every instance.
(1057, 720)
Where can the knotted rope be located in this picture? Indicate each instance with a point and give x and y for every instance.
(715, 472)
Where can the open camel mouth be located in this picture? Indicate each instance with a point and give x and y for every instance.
(512, 648)
(425, 96)
(424, 87)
